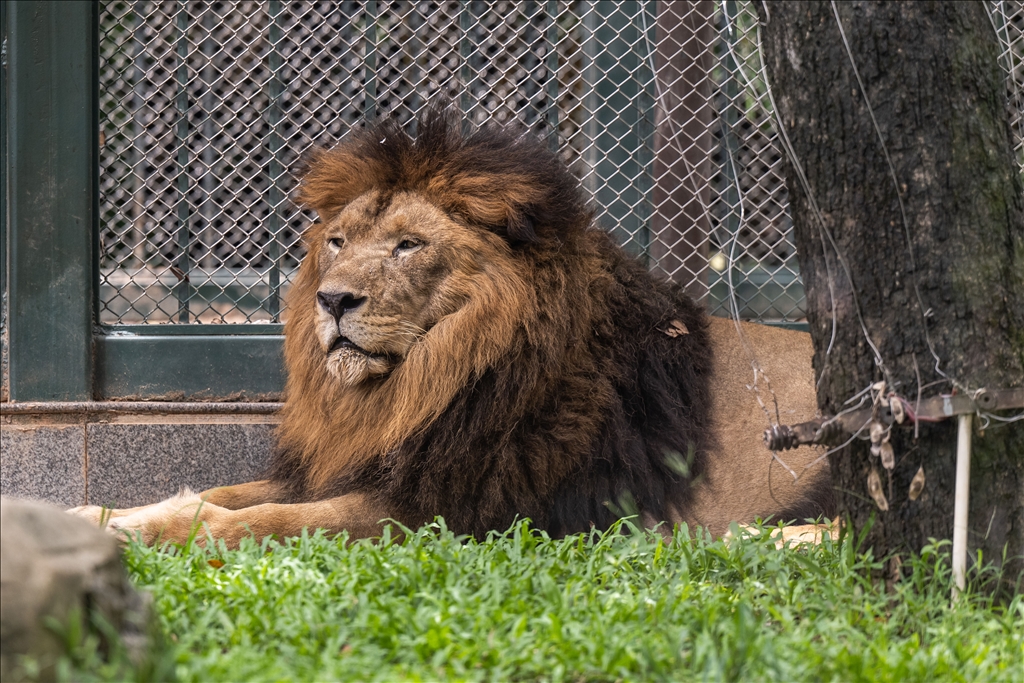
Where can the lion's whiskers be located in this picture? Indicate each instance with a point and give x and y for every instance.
(410, 332)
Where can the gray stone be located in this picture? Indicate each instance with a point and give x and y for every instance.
(137, 464)
(60, 567)
(43, 462)
(5, 363)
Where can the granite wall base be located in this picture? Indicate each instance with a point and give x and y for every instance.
(130, 463)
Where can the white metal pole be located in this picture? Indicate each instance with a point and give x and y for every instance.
(960, 502)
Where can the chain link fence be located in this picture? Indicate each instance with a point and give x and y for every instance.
(1008, 21)
(660, 108)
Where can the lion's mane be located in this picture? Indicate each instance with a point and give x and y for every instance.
(555, 393)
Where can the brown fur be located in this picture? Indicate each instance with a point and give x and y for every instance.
(333, 427)
(489, 355)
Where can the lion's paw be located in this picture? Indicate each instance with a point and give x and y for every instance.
(92, 513)
(168, 520)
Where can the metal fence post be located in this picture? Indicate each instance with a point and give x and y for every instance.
(4, 269)
(52, 136)
(681, 223)
(370, 61)
(184, 237)
(551, 67)
(466, 73)
(274, 167)
(621, 131)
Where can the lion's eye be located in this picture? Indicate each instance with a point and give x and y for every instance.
(336, 242)
(405, 245)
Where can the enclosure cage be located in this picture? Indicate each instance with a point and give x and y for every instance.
(197, 113)
(205, 108)
(660, 107)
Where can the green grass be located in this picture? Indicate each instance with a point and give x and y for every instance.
(521, 606)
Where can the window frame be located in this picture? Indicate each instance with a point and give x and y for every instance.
(58, 350)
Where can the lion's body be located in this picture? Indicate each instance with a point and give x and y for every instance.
(464, 342)
(744, 481)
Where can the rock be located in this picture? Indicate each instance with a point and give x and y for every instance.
(54, 565)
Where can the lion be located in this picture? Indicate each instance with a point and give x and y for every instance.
(465, 342)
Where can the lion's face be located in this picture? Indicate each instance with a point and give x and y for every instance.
(388, 272)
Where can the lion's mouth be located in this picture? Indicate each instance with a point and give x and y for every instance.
(346, 343)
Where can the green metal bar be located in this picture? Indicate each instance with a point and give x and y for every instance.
(274, 151)
(184, 232)
(589, 22)
(643, 26)
(52, 142)
(4, 270)
(241, 330)
(96, 251)
(620, 167)
(761, 294)
(465, 55)
(414, 72)
(103, 409)
(370, 62)
(207, 184)
(190, 367)
(551, 64)
(3, 205)
(730, 145)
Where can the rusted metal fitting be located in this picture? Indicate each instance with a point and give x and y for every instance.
(827, 431)
(780, 438)
(785, 437)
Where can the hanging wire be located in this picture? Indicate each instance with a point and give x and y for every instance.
(788, 148)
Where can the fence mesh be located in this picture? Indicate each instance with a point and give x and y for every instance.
(660, 108)
(1008, 22)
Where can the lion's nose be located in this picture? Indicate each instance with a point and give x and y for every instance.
(338, 304)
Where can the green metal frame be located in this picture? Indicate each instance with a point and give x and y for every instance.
(51, 135)
(189, 365)
(58, 352)
(617, 44)
(3, 205)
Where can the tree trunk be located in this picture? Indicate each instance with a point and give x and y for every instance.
(948, 278)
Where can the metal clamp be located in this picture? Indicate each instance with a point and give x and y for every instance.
(826, 430)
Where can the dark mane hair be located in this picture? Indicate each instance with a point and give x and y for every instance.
(501, 179)
(599, 403)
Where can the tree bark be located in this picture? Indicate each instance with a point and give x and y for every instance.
(948, 278)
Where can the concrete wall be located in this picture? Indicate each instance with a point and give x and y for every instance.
(123, 460)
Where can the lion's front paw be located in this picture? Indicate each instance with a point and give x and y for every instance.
(139, 526)
(116, 522)
(93, 513)
(168, 520)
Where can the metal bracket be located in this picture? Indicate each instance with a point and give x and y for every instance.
(826, 430)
